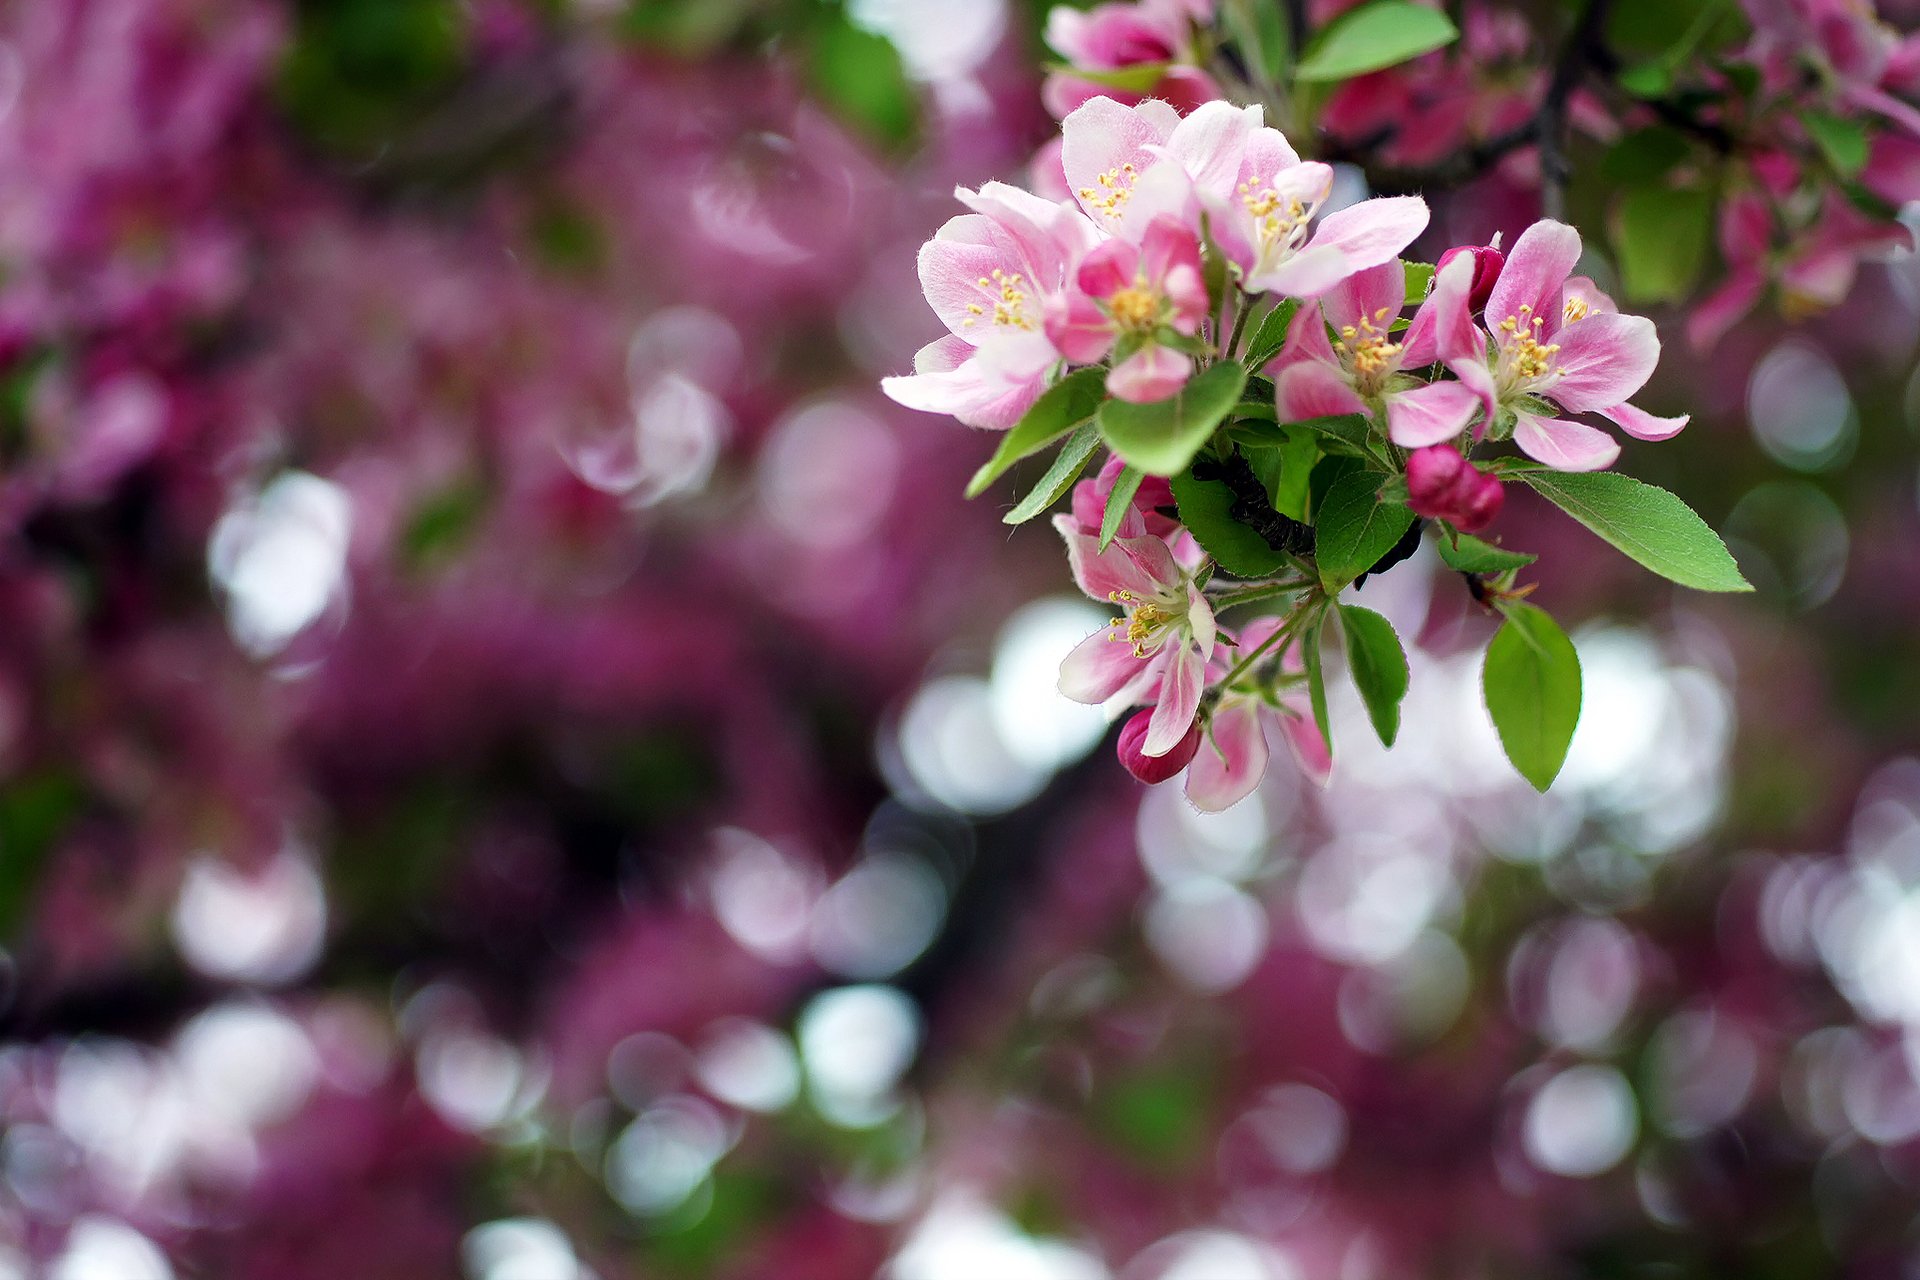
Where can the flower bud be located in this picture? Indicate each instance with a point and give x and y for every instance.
(1442, 485)
(1148, 768)
(1487, 263)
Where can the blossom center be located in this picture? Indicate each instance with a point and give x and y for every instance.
(1524, 359)
(1279, 221)
(1008, 298)
(1146, 621)
(1110, 192)
(1135, 308)
(1575, 309)
(1368, 350)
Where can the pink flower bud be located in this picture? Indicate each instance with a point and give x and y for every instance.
(1442, 485)
(1487, 262)
(1148, 768)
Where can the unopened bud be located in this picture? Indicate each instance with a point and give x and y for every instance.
(1487, 263)
(1151, 769)
(1442, 485)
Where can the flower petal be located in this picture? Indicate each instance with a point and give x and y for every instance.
(1539, 264)
(1373, 231)
(1310, 389)
(1602, 361)
(1439, 411)
(1374, 295)
(1152, 373)
(1103, 575)
(1642, 425)
(1099, 139)
(1563, 445)
(1180, 688)
(1099, 667)
(1232, 759)
(950, 380)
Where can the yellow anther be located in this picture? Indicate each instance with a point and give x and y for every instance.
(1135, 308)
(1111, 191)
(1576, 309)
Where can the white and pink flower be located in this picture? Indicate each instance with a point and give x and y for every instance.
(1156, 651)
(1135, 297)
(1359, 370)
(1559, 346)
(990, 276)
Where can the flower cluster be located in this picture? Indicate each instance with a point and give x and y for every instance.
(1280, 426)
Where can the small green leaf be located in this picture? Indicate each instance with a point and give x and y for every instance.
(1138, 78)
(1260, 28)
(1272, 333)
(1649, 524)
(858, 74)
(1662, 236)
(1467, 554)
(1161, 438)
(1286, 469)
(1378, 666)
(1353, 529)
(1644, 156)
(1118, 500)
(1843, 142)
(1347, 432)
(1419, 280)
(1381, 34)
(1531, 681)
(1064, 406)
(1205, 509)
(1066, 468)
(1310, 637)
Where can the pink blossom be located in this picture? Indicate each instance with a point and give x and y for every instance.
(1119, 37)
(990, 275)
(1090, 502)
(1233, 759)
(1558, 343)
(1443, 485)
(1157, 651)
(1134, 296)
(1153, 769)
(1359, 371)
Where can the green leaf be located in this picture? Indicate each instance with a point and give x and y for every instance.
(1376, 35)
(1272, 333)
(1066, 468)
(1644, 156)
(1843, 142)
(1310, 637)
(859, 75)
(1161, 438)
(1419, 280)
(1286, 469)
(1649, 524)
(1261, 31)
(1378, 666)
(1205, 509)
(1118, 500)
(1138, 78)
(1346, 432)
(1662, 236)
(1531, 681)
(1064, 406)
(1353, 529)
(1467, 554)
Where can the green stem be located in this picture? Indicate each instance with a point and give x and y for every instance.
(1285, 633)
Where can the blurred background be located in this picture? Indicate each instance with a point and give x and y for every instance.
(519, 764)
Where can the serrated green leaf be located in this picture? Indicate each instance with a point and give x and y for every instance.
(1381, 34)
(1347, 432)
(1650, 525)
(1662, 234)
(1064, 406)
(1531, 682)
(1378, 666)
(1119, 498)
(1271, 334)
(1206, 510)
(1066, 468)
(1419, 280)
(1353, 529)
(1161, 438)
(1467, 554)
(1844, 142)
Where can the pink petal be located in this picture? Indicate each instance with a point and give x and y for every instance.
(1539, 264)
(1180, 689)
(1723, 308)
(1563, 445)
(1439, 411)
(1310, 748)
(951, 381)
(1306, 340)
(1642, 425)
(1231, 761)
(1210, 145)
(1443, 327)
(1603, 360)
(1078, 328)
(1102, 136)
(1310, 389)
(1375, 295)
(1201, 622)
(1099, 667)
(1108, 269)
(1150, 374)
(1105, 574)
(1372, 231)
